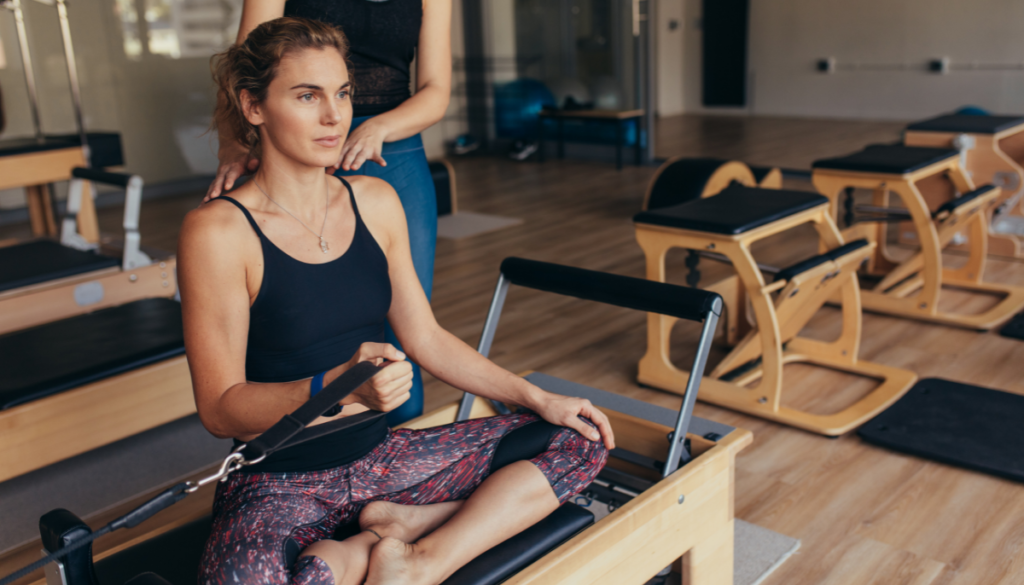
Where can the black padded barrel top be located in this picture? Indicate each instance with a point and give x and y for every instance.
(66, 354)
(737, 209)
(890, 159)
(967, 124)
(45, 260)
(104, 147)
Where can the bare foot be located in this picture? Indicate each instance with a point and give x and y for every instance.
(393, 562)
(405, 523)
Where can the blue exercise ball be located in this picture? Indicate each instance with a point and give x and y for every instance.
(973, 111)
(517, 105)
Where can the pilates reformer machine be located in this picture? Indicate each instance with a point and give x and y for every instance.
(667, 488)
(941, 201)
(36, 162)
(991, 152)
(714, 208)
(47, 280)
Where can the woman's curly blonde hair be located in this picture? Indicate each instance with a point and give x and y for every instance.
(252, 65)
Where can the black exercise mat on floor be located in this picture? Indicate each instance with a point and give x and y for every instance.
(959, 424)
(1015, 328)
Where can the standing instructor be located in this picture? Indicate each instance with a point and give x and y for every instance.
(384, 142)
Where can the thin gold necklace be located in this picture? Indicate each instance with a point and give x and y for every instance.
(327, 203)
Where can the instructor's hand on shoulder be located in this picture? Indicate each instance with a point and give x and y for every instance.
(388, 389)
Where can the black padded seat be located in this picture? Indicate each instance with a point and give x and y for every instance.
(953, 204)
(175, 555)
(45, 260)
(518, 552)
(737, 209)
(890, 159)
(62, 355)
(104, 147)
(832, 255)
(967, 124)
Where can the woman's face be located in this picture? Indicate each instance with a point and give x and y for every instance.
(307, 112)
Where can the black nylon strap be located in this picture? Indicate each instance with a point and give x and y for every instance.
(284, 430)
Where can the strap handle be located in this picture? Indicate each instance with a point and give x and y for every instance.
(279, 435)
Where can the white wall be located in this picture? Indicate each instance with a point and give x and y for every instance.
(788, 36)
(669, 62)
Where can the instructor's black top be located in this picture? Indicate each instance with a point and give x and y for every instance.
(382, 38)
(308, 318)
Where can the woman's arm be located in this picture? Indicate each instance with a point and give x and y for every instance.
(442, 354)
(426, 107)
(212, 275)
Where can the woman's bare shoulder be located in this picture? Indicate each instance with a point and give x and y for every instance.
(375, 197)
(214, 223)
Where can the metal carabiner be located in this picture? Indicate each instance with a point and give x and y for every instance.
(231, 464)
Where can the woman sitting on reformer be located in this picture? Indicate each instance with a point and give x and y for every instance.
(287, 283)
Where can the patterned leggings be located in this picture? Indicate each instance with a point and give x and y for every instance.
(261, 521)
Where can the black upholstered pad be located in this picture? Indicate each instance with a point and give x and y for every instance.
(891, 159)
(45, 260)
(968, 124)
(953, 204)
(516, 553)
(58, 356)
(174, 556)
(737, 209)
(105, 147)
(959, 424)
(804, 265)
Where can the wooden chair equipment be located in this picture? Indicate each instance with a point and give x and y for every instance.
(991, 152)
(45, 280)
(729, 223)
(674, 495)
(911, 287)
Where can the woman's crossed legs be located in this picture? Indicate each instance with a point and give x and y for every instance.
(446, 495)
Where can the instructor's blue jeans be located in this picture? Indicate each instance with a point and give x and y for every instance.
(408, 173)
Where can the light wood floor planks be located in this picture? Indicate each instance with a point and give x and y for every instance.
(865, 515)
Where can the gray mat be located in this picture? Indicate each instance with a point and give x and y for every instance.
(105, 477)
(466, 223)
(758, 552)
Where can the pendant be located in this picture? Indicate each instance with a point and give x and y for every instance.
(323, 245)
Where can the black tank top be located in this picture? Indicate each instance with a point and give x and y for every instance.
(382, 39)
(308, 318)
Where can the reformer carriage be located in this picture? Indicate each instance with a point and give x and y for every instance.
(669, 483)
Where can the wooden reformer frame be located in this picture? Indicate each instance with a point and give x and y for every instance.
(780, 310)
(996, 159)
(138, 277)
(912, 287)
(51, 429)
(35, 171)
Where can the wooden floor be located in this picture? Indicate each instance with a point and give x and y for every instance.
(864, 515)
